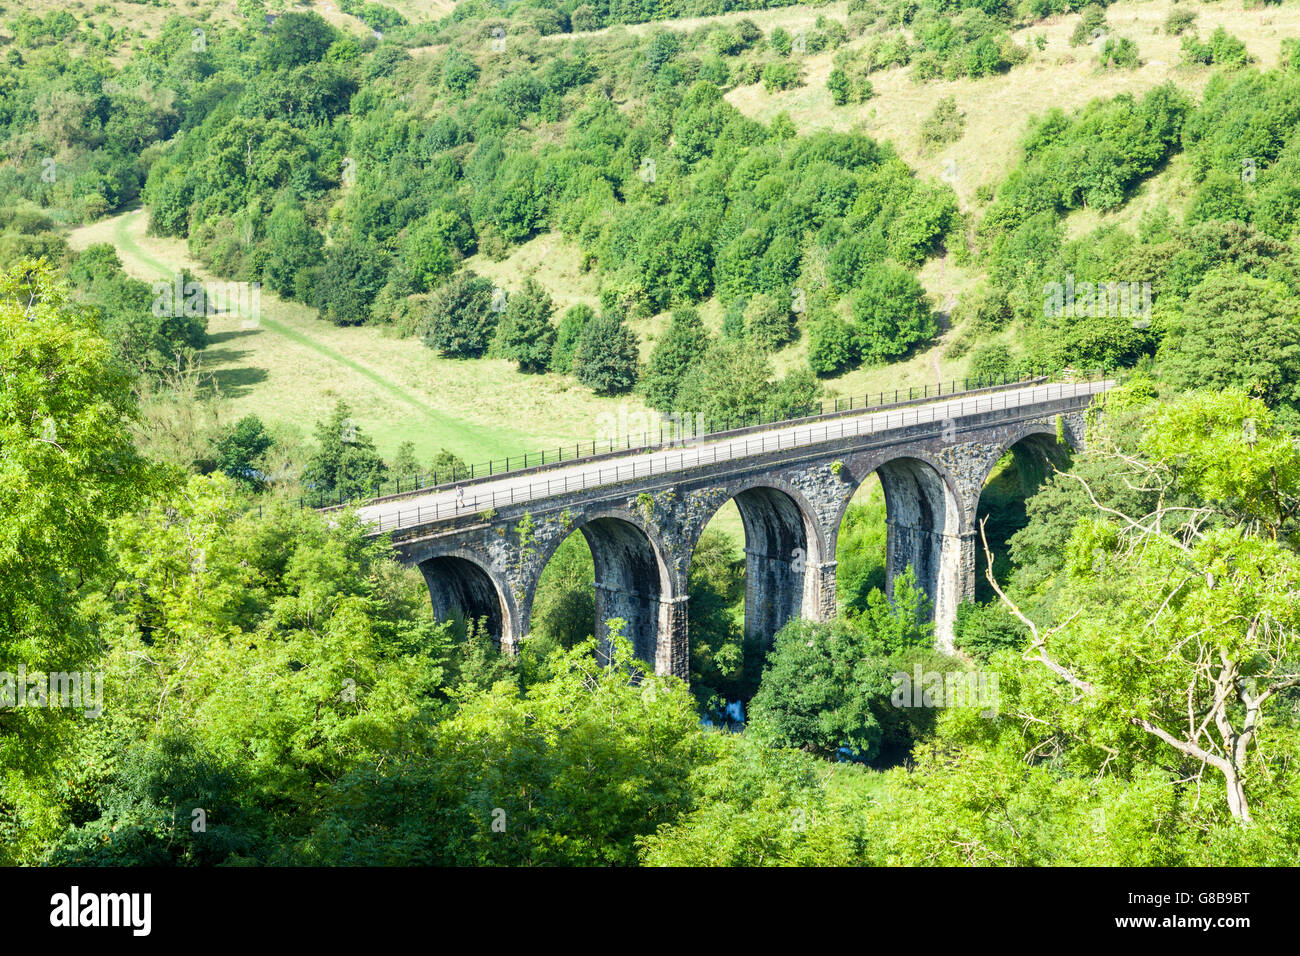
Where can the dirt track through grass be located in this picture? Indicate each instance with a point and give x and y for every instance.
(291, 367)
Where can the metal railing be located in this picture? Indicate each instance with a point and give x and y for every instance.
(681, 427)
(708, 454)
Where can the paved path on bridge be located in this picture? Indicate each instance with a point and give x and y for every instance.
(443, 504)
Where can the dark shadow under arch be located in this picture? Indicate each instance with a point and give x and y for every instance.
(1016, 477)
(778, 549)
(459, 586)
(629, 583)
(921, 513)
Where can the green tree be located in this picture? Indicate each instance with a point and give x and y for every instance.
(405, 464)
(839, 84)
(461, 319)
(68, 470)
(298, 38)
(566, 337)
(832, 347)
(890, 312)
(345, 463)
(353, 274)
(1173, 633)
(584, 720)
(293, 246)
(304, 652)
(427, 255)
(607, 355)
(240, 451)
(818, 690)
(769, 323)
(446, 467)
(796, 395)
(151, 331)
(1258, 350)
(682, 345)
(731, 384)
(525, 333)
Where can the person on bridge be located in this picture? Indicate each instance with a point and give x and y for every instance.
(460, 496)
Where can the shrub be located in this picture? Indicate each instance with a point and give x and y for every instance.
(944, 125)
(832, 348)
(1121, 53)
(782, 76)
(461, 319)
(1179, 19)
(606, 356)
(989, 363)
(1223, 49)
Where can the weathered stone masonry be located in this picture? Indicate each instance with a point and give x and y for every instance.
(643, 532)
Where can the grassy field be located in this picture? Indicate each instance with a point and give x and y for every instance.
(797, 16)
(293, 367)
(997, 108)
(145, 20)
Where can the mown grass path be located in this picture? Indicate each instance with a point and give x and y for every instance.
(291, 367)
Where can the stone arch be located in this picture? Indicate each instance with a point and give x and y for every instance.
(1037, 433)
(922, 519)
(1028, 441)
(459, 583)
(632, 581)
(784, 548)
(925, 528)
(942, 487)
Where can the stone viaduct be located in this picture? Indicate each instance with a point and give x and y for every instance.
(643, 512)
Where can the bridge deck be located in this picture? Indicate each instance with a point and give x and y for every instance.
(482, 495)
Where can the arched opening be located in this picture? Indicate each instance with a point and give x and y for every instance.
(605, 569)
(564, 602)
(749, 577)
(778, 548)
(462, 590)
(903, 519)
(984, 626)
(1016, 477)
(861, 547)
(627, 583)
(921, 528)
